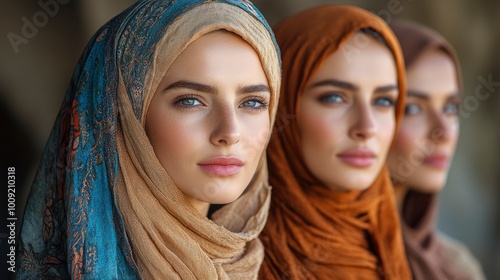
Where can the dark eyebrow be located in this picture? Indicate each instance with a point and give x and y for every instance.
(385, 89)
(349, 86)
(212, 90)
(425, 96)
(191, 85)
(417, 94)
(334, 83)
(455, 95)
(254, 89)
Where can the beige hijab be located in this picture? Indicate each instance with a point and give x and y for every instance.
(170, 239)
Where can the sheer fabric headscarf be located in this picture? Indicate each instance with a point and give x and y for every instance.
(425, 248)
(101, 205)
(313, 232)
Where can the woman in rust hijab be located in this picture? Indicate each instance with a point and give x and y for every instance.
(333, 213)
(422, 153)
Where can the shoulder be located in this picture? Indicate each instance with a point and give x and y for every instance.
(460, 255)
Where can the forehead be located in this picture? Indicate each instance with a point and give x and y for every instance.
(433, 71)
(360, 59)
(215, 52)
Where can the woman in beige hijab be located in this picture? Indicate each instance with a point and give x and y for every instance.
(423, 151)
(169, 111)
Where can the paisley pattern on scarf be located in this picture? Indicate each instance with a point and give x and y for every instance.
(72, 225)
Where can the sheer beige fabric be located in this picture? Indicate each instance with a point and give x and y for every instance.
(170, 239)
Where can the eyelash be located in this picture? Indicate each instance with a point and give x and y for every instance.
(456, 106)
(412, 106)
(324, 98)
(263, 104)
(389, 99)
(179, 99)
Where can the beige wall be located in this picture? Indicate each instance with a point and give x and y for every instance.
(33, 81)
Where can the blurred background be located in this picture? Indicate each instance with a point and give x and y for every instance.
(41, 42)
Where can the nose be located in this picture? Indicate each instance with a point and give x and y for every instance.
(226, 130)
(441, 128)
(363, 125)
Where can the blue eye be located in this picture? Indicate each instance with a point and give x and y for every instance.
(255, 103)
(412, 109)
(251, 103)
(331, 98)
(451, 109)
(189, 102)
(384, 102)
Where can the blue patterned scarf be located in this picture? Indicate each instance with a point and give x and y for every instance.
(73, 227)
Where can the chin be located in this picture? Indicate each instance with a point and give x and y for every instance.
(223, 193)
(426, 183)
(225, 199)
(361, 185)
(430, 187)
(362, 180)
(351, 184)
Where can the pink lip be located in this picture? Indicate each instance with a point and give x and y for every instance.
(358, 157)
(222, 166)
(436, 161)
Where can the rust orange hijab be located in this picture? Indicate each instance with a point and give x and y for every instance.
(427, 251)
(313, 232)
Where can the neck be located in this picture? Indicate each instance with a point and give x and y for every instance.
(400, 192)
(199, 205)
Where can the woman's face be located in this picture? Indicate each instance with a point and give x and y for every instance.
(208, 121)
(347, 114)
(426, 141)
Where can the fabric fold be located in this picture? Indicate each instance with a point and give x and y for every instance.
(431, 254)
(313, 232)
(101, 205)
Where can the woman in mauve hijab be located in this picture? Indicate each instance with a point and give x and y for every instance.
(423, 150)
(169, 111)
(333, 213)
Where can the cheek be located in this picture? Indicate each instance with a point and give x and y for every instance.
(386, 133)
(319, 129)
(255, 132)
(454, 132)
(171, 137)
(408, 137)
